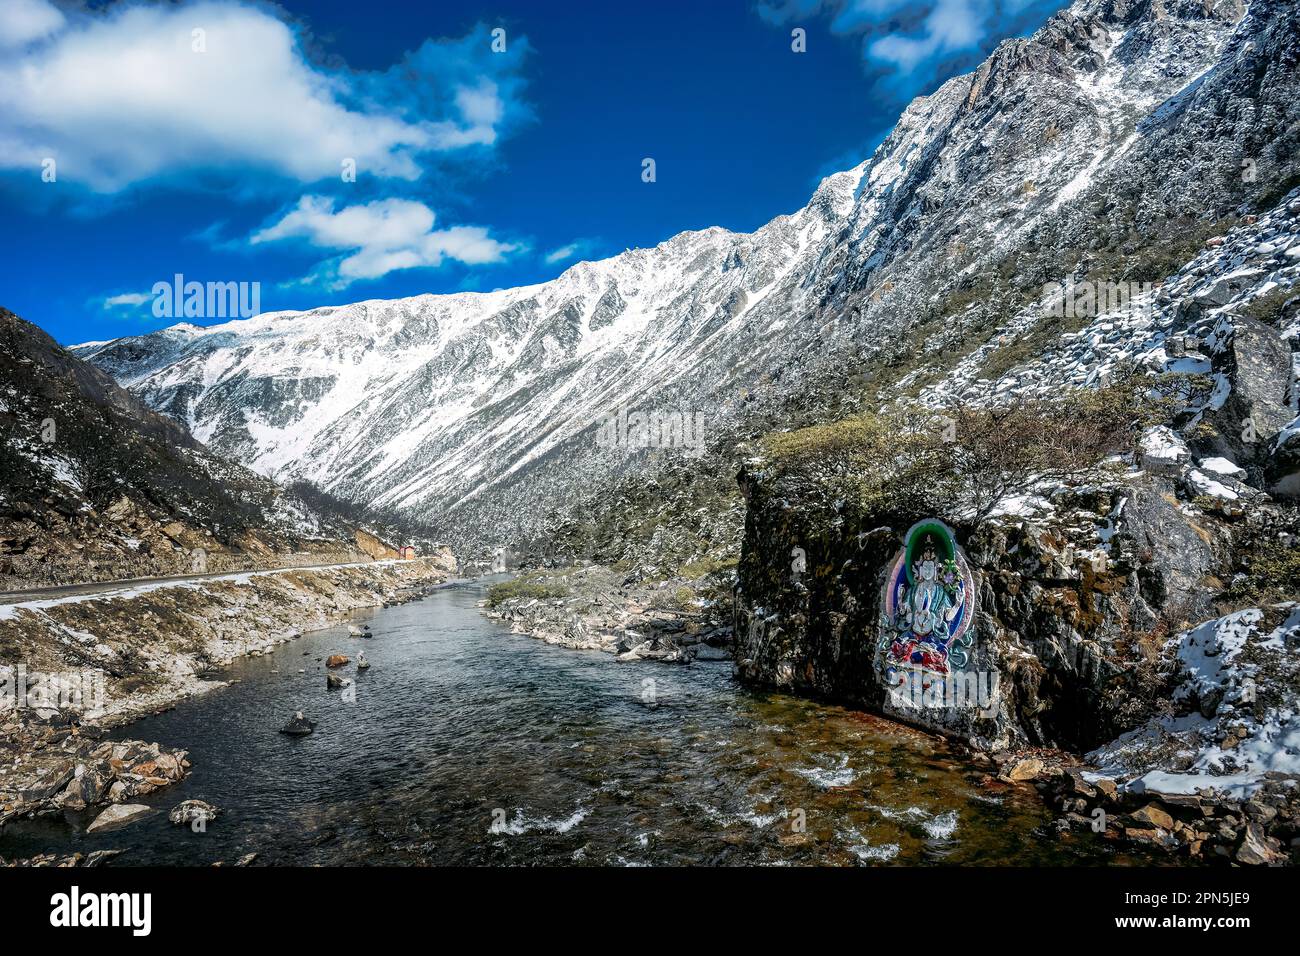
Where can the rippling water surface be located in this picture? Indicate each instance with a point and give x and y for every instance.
(469, 745)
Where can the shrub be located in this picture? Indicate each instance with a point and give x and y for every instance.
(706, 566)
(523, 589)
(1272, 573)
(962, 461)
(1268, 308)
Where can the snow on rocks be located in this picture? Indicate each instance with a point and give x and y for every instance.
(1219, 776)
(1221, 466)
(1173, 328)
(1239, 719)
(1202, 484)
(1163, 450)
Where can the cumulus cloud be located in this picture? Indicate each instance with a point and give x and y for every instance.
(909, 44)
(145, 92)
(383, 236)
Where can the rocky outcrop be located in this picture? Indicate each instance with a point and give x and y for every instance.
(49, 769)
(374, 546)
(1083, 637)
(1257, 361)
(1070, 607)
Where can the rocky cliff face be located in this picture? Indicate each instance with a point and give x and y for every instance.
(1058, 624)
(1141, 609)
(1097, 629)
(1108, 146)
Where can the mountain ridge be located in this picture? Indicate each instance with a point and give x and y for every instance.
(481, 408)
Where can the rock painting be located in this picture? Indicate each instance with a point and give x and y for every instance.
(928, 607)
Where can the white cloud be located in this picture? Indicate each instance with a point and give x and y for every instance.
(480, 109)
(952, 25)
(562, 253)
(123, 96)
(579, 247)
(911, 42)
(382, 236)
(23, 21)
(126, 299)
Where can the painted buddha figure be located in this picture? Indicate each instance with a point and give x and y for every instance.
(924, 612)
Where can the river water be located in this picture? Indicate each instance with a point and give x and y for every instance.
(465, 744)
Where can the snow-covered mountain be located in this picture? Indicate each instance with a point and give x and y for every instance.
(1108, 147)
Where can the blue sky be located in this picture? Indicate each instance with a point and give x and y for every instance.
(140, 140)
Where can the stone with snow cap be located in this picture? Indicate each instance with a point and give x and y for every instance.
(1163, 451)
(1222, 466)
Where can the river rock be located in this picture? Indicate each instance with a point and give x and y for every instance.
(1077, 785)
(1024, 770)
(118, 816)
(188, 811)
(51, 781)
(335, 682)
(299, 726)
(337, 660)
(1257, 849)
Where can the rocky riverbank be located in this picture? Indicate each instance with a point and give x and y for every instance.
(672, 620)
(53, 763)
(92, 662)
(1261, 828)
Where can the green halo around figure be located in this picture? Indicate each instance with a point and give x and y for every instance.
(945, 547)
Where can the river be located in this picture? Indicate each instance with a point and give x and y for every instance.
(465, 744)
